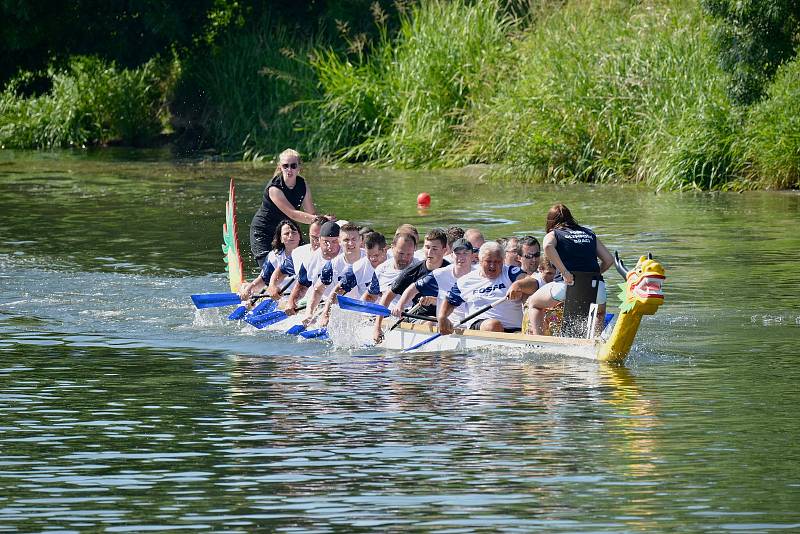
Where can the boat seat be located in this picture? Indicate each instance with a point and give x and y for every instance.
(580, 297)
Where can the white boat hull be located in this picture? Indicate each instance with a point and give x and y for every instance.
(408, 335)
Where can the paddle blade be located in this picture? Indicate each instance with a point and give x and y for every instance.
(355, 305)
(266, 319)
(317, 333)
(265, 306)
(296, 329)
(215, 300)
(238, 313)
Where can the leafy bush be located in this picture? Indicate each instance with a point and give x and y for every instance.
(772, 132)
(90, 102)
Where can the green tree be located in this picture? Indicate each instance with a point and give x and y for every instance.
(753, 38)
(36, 33)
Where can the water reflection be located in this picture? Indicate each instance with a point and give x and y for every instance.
(123, 408)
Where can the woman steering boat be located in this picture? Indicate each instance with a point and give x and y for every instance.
(570, 247)
(287, 196)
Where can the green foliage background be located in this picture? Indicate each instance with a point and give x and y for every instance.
(579, 90)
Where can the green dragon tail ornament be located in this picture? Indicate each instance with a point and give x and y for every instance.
(230, 245)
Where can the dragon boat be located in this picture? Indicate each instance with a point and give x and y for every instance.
(641, 294)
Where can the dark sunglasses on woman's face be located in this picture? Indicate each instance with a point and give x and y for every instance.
(289, 165)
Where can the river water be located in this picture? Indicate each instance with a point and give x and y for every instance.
(125, 409)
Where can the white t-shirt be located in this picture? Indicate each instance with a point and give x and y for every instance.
(438, 283)
(291, 265)
(333, 272)
(310, 270)
(275, 260)
(387, 273)
(361, 277)
(476, 292)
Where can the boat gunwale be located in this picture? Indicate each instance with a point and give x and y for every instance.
(501, 336)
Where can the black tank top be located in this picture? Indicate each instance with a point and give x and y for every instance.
(577, 248)
(268, 215)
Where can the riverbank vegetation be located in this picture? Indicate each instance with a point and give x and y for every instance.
(583, 90)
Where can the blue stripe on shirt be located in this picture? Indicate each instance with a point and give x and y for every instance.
(454, 296)
(427, 286)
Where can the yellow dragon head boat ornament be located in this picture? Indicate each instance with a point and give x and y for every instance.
(641, 295)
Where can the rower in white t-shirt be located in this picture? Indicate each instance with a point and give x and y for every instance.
(311, 268)
(438, 282)
(359, 280)
(487, 284)
(402, 256)
(331, 276)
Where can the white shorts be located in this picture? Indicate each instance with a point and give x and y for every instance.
(558, 291)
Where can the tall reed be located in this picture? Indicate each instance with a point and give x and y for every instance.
(596, 92)
(403, 104)
(771, 136)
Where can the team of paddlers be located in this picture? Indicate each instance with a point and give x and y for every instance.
(447, 273)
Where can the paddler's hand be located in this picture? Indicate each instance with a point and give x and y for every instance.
(568, 277)
(291, 308)
(445, 326)
(397, 311)
(246, 290)
(377, 334)
(515, 292)
(274, 292)
(427, 301)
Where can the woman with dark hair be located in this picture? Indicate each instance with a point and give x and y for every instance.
(287, 238)
(570, 247)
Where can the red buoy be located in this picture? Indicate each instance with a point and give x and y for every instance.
(424, 200)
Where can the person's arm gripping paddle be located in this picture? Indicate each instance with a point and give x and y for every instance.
(462, 322)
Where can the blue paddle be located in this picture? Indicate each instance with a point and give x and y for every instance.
(463, 321)
(360, 306)
(215, 300)
(317, 333)
(264, 307)
(265, 319)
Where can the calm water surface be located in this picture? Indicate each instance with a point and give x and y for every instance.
(124, 409)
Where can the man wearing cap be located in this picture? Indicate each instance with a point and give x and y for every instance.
(332, 277)
(310, 270)
(438, 282)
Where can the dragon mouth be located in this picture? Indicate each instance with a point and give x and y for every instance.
(649, 287)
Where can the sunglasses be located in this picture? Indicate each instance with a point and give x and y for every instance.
(288, 165)
(531, 256)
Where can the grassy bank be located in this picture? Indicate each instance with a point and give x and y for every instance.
(587, 90)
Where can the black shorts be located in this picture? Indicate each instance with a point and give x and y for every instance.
(477, 326)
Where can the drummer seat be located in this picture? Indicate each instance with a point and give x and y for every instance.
(578, 303)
